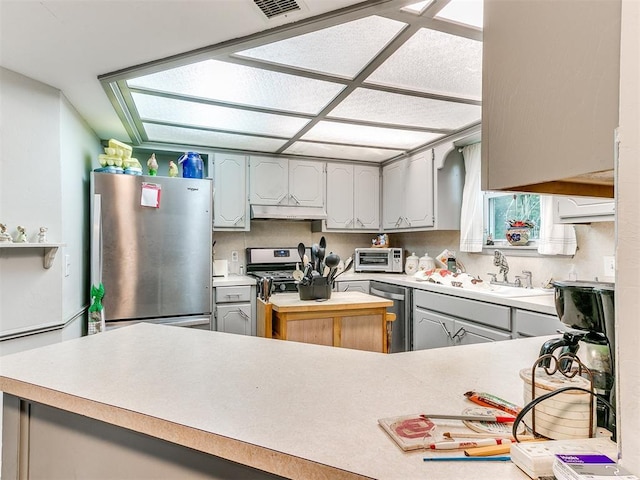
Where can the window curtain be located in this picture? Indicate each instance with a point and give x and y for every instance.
(554, 238)
(471, 216)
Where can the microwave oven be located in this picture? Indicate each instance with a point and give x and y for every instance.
(387, 260)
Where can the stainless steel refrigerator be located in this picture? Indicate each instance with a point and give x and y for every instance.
(151, 248)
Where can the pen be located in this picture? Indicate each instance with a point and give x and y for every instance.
(474, 418)
(453, 445)
(467, 459)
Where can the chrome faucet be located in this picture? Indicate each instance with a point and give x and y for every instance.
(500, 261)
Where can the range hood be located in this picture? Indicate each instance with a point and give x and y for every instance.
(288, 212)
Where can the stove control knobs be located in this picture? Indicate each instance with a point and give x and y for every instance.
(282, 287)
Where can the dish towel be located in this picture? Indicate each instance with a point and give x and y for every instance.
(555, 239)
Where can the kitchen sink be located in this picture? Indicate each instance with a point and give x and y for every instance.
(507, 291)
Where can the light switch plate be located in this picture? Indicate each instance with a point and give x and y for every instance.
(609, 266)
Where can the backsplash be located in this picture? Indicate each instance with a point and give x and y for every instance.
(594, 242)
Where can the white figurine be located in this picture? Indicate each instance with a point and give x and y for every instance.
(42, 235)
(4, 236)
(152, 163)
(22, 234)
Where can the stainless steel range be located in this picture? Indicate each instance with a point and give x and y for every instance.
(275, 263)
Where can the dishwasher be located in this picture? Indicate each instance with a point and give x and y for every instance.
(401, 327)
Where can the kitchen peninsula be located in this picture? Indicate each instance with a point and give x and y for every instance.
(146, 401)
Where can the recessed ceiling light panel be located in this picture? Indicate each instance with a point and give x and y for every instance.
(228, 82)
(385, 107)
(435, 62)
(343, 50)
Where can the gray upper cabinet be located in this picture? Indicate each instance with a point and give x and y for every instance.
(407, 193)
(550, 96)
(583, 209)
(281, 181)
(230, 199)
(353, 197)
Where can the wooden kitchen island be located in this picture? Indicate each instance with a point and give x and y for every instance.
(153, 401)
(348, 319)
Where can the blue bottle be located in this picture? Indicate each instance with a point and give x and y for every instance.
(192, 165)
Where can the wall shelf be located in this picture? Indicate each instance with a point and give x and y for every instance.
(49, 250)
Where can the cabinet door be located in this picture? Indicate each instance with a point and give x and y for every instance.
(306, 183)
(431, 330)
(268, 181)
(230, 191)
(418, 190)
(583, 209)
(340, 195)
(533, 324)
(537, 125)
(234, 318)
(393, 195)
(366, 197)
(466, 333)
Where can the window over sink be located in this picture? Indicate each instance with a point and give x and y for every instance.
(505, 210)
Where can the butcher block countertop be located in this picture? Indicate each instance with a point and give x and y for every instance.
(290, 302)
(293, 409)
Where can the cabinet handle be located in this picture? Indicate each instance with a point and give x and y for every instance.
(459, 334)
(294, 199)
(284, 197)
(447, 332)
(398, 221)
(407, 220)
(239, 220)
(360, 221)
(349, 222)
(244, 315)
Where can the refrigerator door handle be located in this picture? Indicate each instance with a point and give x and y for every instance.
(96, 241)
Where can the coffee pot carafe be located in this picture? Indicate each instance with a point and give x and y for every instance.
(587, 308)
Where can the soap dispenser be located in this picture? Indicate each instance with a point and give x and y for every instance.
(411, 264)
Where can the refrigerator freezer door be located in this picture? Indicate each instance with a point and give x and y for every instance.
(154, 262)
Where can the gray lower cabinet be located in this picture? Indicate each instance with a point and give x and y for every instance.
(235, 309)
(533, 324)
(445, 320)
(353, 286)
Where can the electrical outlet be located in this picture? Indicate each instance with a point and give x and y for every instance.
(67, 265)
(234, 256)
(609, 266)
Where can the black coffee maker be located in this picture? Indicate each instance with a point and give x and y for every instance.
(587, 308)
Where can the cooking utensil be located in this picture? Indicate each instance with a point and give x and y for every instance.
(347, 266)
(301, 251)
(331, 262)
(321, 252)
(297, 273)
(314, 255)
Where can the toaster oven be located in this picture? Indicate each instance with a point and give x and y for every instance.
(386, 260)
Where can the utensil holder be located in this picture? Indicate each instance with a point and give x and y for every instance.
(319, 289)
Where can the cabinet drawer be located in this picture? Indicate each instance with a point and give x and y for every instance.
(497, 316)
(233, 294)
(532, 324)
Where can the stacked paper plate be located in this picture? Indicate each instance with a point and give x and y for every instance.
(564, 416)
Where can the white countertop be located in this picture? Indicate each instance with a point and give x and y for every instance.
(540, 303)
(294, 409)
(233, 281)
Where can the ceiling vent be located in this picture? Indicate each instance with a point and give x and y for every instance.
(273, 8)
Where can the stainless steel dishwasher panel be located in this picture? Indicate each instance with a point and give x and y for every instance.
(401, 328)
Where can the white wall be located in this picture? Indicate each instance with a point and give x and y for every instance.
(628, 236)
(46, 152)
